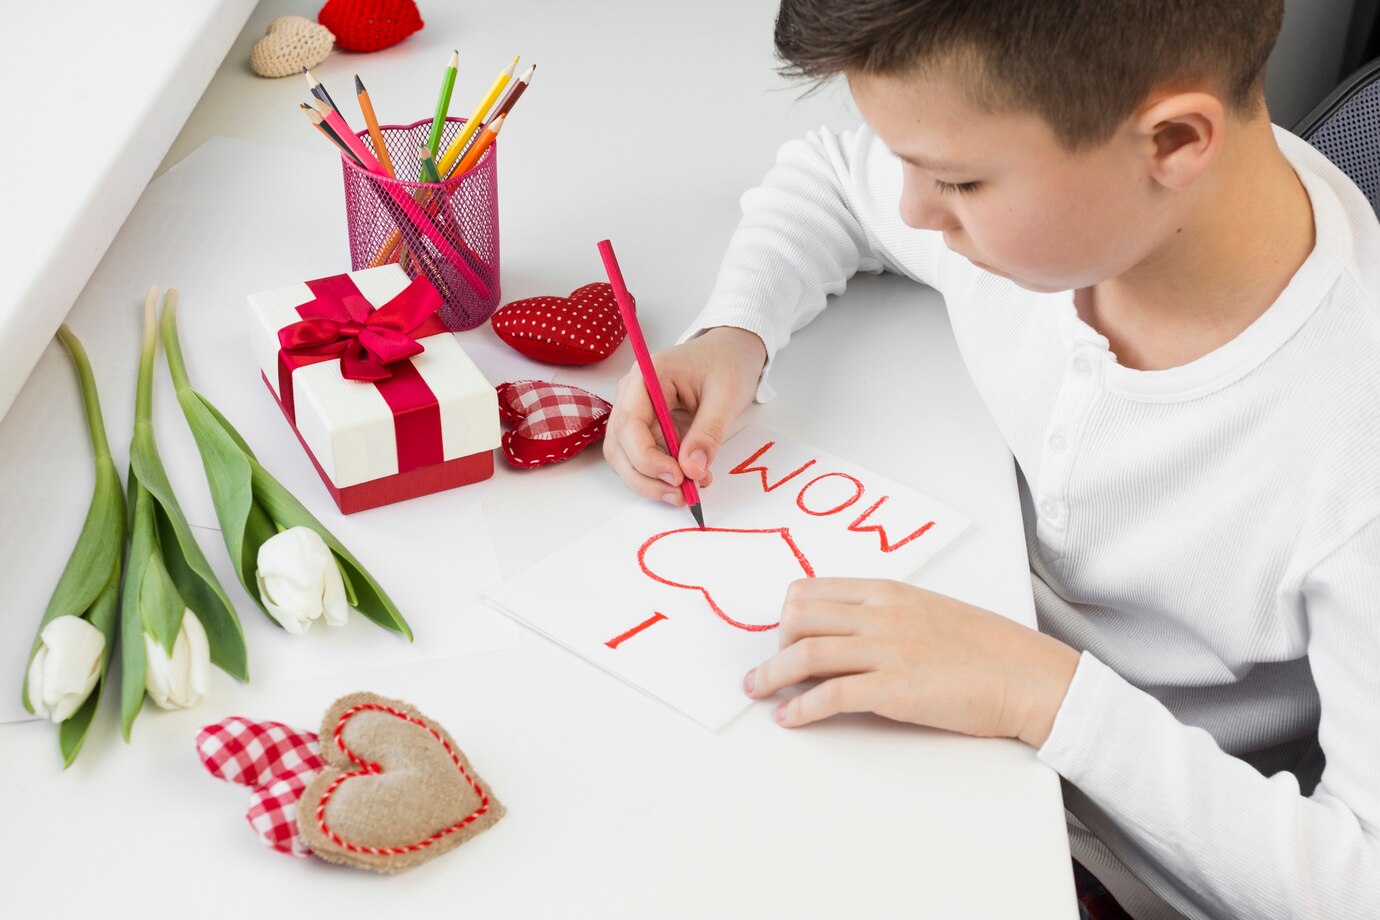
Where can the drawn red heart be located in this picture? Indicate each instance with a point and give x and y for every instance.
(396, 790)
(580, 329)
(369, 25)
(747, 568)
(553, 421)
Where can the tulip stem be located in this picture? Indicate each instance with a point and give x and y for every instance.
(143, 394)
(172, 347)
(90, 398)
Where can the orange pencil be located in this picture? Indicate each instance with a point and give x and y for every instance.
(366, 106)
(479, 146)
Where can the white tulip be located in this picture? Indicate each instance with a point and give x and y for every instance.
(180, 681)
(299, 580)
(66, 668)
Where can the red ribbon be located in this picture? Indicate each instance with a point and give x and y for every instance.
(340, 321)
(373, 347)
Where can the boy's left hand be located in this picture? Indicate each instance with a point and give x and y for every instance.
(914, 656)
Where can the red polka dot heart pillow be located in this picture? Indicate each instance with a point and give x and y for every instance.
(580, 329)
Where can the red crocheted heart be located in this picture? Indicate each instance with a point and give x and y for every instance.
(580, 329)
(553, 421)
(368, 25)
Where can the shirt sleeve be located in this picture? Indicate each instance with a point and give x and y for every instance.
(1217, 837)
(827, 209)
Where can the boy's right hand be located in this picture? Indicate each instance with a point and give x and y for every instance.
(711, 379)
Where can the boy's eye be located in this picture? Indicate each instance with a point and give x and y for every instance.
(955, 188)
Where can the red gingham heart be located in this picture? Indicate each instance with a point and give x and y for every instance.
(580, 329)
(273, 808)
(277, 761)
(553, 421)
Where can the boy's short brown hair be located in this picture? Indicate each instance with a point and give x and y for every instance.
(1083, 65)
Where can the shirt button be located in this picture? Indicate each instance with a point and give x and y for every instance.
(1048, 508)
(1057, 442)
(1082, 365)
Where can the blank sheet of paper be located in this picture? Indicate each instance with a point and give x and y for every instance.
(683, 613)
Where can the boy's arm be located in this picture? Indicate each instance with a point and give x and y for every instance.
(827, 209)
(1220, 837)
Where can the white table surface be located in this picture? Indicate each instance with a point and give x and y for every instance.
(618, 806)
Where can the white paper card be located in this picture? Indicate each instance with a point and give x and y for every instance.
(683, 613)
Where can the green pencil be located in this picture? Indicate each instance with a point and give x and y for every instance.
(429, 173)
(438, 124)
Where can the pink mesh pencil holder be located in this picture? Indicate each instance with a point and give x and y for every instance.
(447, 232)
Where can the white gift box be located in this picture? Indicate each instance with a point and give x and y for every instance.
(348, 427)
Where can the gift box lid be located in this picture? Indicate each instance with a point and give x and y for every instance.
(348, 425)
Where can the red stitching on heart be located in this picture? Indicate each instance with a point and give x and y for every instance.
(369, 769)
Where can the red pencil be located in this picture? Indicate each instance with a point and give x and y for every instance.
(644, 361)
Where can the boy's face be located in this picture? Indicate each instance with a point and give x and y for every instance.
(1004, 192)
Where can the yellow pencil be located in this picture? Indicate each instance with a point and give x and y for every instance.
(457, 146)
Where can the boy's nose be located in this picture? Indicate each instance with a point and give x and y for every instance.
(923, 207)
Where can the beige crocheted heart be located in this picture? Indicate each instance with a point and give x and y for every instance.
(291, 43)
(395, 791)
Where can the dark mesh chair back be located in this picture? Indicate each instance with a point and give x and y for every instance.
(1346, 128)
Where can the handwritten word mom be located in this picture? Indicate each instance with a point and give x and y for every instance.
(809, 500)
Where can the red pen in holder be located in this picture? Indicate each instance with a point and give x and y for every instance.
(446, 232)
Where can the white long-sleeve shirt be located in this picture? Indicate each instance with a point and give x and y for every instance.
(1207, 536)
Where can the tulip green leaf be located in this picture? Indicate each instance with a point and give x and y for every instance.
(105, 617)
(185, 563)
(89, 584)
(159, 605)
(229, 478)
(251, 505)
(132, 653)
(351, 596)
(369, 599)
(206, 597)
(95, 557)
(176, 576)
(225, 425)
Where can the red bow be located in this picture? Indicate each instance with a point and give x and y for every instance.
(341, 321)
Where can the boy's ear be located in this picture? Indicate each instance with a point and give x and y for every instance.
(1182, 135)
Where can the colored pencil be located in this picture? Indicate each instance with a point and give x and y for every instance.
(438, 121)
(515, 91)
(317, 89)
(330, 134)
(319, 123)
(366, 106)
(408, 207)
(505, 105)
(644, 361)
(429, 172)
(457, 146)
(460, 148)
(486, 137)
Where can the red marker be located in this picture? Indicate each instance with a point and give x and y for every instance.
(644, 361)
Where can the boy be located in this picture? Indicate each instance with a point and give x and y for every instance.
(1170, 309)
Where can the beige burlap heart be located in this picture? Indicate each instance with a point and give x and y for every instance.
(396, 789)
(291, 43)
